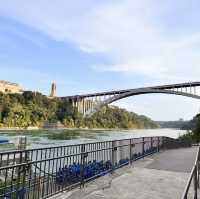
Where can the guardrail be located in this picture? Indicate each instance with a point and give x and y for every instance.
(41, 173)
(194, 176)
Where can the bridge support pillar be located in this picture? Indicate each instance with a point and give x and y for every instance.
(78, 106)
(83, 106)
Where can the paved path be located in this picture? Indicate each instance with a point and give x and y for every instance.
(161, 176)
(180, 160)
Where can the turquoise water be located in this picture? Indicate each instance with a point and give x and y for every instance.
(46, 138)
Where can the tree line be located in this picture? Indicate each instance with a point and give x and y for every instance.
(34, 108)
(193, 130)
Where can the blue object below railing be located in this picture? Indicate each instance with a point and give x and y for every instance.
(72, 174)
(4, 141)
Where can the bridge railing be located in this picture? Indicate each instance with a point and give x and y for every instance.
(43, 172)
(191, 188)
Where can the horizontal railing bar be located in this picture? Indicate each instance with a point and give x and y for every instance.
(74, 145)
(65, 156)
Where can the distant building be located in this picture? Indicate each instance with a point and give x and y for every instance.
(53, 90)
(9, 87)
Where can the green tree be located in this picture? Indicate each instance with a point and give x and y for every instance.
(33, 109)
(196, 131)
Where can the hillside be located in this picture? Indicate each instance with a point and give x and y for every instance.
(33, 109)
(191, 125)
(172, 124)
(180, 124)
(115, 117)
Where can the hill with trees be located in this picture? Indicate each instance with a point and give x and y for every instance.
(179, 124)
(193, 128)
(33, 109)
(191, 125)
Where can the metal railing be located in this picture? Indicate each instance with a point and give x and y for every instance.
(194, 176)
(41, 173)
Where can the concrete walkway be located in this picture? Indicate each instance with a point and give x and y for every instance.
(163, 175)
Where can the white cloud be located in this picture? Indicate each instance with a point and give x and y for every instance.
(136, 37)
(127, 32)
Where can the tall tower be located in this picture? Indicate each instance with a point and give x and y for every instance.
(53, 90)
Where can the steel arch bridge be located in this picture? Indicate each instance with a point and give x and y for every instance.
(89, 104)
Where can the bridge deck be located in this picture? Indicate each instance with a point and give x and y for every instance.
(170, 86)
(162, 175)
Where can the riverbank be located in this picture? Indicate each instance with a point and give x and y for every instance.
(61, 129)
(19, 129)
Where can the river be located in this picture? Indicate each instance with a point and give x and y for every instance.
(47, 138)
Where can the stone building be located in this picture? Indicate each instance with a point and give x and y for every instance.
(9, 87)
(53, 90)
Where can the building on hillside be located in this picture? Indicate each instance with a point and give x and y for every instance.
(9, 87)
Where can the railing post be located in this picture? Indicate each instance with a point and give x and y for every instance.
(143, 146)
(195, 182)
(114, 149)
(19, 170)
(164, 143)
(82, 165)
(24, 172)
(158, 144)
(151, 143)
(131, 151)
(164, 140)
(198, 167)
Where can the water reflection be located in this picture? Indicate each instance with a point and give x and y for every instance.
(63, 135)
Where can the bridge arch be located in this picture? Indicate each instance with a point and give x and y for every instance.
(136, 92)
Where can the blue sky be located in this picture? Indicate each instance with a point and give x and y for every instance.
(88, 46)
